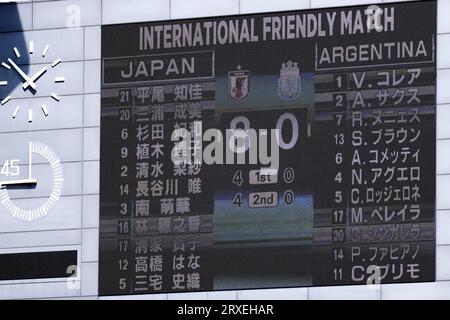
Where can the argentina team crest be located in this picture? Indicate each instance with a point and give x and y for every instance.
(290, 81)
(238, 84)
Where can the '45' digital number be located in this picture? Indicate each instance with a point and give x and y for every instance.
(10, 168)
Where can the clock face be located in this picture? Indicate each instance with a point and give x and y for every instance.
(23, 178)
(30, 82)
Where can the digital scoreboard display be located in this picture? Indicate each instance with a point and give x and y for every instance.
(281, 149)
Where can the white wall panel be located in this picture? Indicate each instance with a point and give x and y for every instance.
(37, 290)
(442, 120)
(442, 187)
(443, 262)
(443, 156)
(70, 298)
(15, 17)
(252, 6)
(222, 295)
(92, 43)
(337, 3)
(443, 79)
(202, 8)
(362, 292)
(67, 13)
(92, 74)
(67, 144)
(66, 44)
(187, 296)
(443, 49)
(274, 294)
(91, 144)
(443, 227)
(89, 278)
(443, 20)
(40, 239)
(119, 11)
(91, 177)
(89, 247)
(91, 211)
(429, 290)
(92, 110)
(65, 215)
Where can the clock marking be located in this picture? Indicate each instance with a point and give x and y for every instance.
(3, 83)
(44, 110)
(16, 51)
(30, 115)
(31, 47)
(16, 111)
(60, 79)
(56, 97)
(44, 53)
(4, 101)
(56, 62)
(7, 66)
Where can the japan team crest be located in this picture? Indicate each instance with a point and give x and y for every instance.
(238, 84)
(290, 82)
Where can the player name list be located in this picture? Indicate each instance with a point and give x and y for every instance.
(374, 210)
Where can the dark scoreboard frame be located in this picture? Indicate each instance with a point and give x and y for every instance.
(334, 214)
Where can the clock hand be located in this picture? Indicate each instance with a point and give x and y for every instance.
(22, 74)
(34, 78)
(19, 182)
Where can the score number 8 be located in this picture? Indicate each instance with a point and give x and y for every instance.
(242, 132)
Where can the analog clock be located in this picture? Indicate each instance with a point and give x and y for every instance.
(16, 65)
(19, 177)
(12, 169)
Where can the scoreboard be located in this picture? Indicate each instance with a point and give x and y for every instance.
(308, 140)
